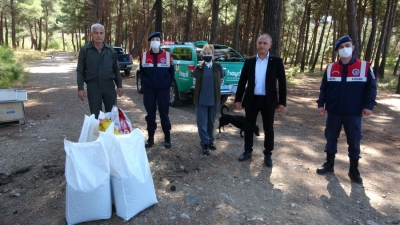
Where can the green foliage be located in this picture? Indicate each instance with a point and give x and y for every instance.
(389, 83)
(292, 72)
(391, 61)
(10, 69)
(53, 44)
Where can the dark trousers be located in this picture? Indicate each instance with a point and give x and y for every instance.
(352, 129)
(152, 99)
(98, 95)
(259, 105)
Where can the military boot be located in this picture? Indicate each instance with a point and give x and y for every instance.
(167, 139)
(328, 166)
(354, 174)
(150, 140)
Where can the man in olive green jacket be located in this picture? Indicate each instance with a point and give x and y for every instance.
(98, 68)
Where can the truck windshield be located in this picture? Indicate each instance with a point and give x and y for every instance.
(223, 55)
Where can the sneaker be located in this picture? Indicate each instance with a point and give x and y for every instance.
(268, 160)
(206, 151)
(211, 146)
(244, 156)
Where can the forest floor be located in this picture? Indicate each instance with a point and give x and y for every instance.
(215, 189)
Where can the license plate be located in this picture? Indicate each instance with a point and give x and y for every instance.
(224, 87)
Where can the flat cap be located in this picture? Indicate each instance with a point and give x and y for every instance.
(342, 40)
(154, 34)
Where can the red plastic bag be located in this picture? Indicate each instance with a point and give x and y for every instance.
(121, 121)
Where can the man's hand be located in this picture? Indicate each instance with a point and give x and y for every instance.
(120, 92)
(366, 112)
(281, 108)
(321, 111)
(81, 95)
(238, 105)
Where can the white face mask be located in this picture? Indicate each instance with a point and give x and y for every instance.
(345, 52)
(155, 44)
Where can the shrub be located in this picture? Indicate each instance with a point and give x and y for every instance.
(10, 69)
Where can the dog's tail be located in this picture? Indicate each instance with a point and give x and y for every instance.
(222, 109)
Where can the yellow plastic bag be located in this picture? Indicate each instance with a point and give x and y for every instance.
(104, 124)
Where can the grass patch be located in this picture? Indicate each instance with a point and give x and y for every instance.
(389, 83)
(28, 55)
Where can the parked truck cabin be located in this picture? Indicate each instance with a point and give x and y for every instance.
(125, 61)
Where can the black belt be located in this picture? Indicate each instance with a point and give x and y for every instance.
(259, 96)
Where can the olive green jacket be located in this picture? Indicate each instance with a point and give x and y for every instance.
(217, 82)
(94, 66)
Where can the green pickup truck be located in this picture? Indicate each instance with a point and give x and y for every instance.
(186, 56)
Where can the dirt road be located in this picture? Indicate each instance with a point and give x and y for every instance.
(209, 190)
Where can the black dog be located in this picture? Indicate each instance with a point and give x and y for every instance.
(237, 121)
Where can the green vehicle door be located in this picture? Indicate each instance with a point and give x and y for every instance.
(231, 61)
(183, 59)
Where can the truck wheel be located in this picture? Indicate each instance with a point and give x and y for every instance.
(224, 98)
(174, 99)
(139, 85)
(127, 72)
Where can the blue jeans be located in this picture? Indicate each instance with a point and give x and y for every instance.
(352, 129)
(205, 116)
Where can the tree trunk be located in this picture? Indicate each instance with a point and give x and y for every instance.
(158, 25)
(334, 32)
(321, 38)
(273, 23)
(77, 41)
(6, 28)
(303, 58)
(118, 26)
(46, 42)
(237, 23)
(247, 41)
(382, 39)
(397, 66)
(392, 17)
(374, 26)
(1, 27)
(13, 30)
(73, 43)
(63, 39)
(214, 22)
(188, 21)
(300, 41)
(135, 49)
(96, 10)
(130, 26)
(325, 46)
(352, 26)
(33, 40)
(39, 45)
(314, 41)
(289, 39)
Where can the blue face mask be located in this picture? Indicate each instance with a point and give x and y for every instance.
(207, 58)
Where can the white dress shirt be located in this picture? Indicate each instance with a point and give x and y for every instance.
(261, 74)
(208, 64)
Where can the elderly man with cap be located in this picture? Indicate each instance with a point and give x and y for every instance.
(347, 93)
(157, 72)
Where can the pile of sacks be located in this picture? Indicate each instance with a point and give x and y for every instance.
(107, 167)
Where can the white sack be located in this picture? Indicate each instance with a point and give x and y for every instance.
(90, 129)
(87, 171)
(131, 179)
